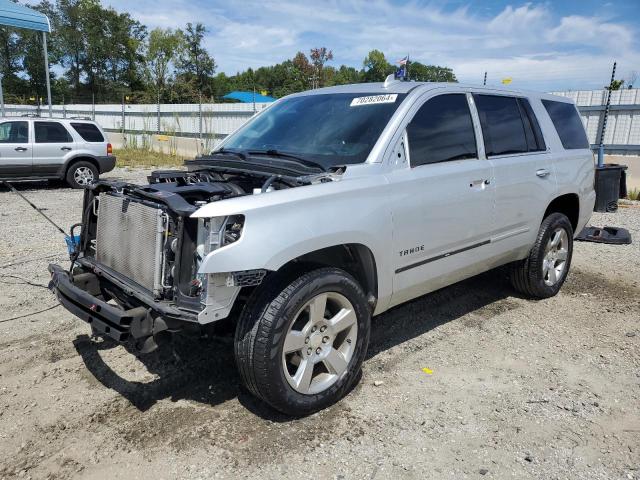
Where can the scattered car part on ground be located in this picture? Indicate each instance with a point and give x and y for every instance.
(611, 235)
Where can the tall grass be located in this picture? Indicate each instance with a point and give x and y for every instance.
(633, 194)
(146, 158)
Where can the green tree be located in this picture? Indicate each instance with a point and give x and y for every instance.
(345, 75)
(162, 50)
(11, 60)
(430, 73)
(101, 49)
(194, 63)
(376, 67)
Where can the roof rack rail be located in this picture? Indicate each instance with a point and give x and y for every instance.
(32, 115)
(80, 118)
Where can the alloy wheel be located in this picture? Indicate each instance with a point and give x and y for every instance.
(319, 343)
(555, 257)
(83, 176)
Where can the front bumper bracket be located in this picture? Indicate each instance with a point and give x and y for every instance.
(78, 296)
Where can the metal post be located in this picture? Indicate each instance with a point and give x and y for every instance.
(158, 114)
(64, 108)
(123, 116)
(200, 117)
(93, 106)
(603, 130)
(46, 69)
(1, 98)
(485, 79)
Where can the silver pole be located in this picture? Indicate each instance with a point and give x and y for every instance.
(46, 69)
(1, 98)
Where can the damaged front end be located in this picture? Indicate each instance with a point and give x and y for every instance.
(135, 274)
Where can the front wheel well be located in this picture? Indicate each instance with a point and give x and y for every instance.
(354, 258)
(568, 205)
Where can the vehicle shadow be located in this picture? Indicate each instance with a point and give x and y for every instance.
(26, 185)
(203, 369)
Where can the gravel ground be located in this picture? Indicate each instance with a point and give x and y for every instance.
(513, 388)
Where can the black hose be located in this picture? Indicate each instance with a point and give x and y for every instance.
(267, 184)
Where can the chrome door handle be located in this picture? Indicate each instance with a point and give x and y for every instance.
(543, 172)
(66, 149)
(480, 183)
(21, 149)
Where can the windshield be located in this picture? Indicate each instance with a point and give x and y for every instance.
(328, 129)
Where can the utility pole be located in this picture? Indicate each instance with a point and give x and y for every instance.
(485, 79)
(603, 130)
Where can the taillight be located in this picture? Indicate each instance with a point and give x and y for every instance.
(109, 149)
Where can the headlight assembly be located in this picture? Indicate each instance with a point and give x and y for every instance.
(213, 233)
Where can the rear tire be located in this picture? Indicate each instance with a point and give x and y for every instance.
(299, 345)
(543, 272)
(81, 174)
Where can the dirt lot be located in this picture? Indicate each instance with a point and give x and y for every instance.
(518, 389)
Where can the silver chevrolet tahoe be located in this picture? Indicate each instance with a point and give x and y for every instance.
(328, 208)
(74, 150)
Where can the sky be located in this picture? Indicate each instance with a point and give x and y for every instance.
(553, 45)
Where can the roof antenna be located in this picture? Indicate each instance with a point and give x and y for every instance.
(391, 79)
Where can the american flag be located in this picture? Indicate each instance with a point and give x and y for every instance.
(403, 61)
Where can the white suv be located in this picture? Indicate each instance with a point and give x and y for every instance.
(67, 149)
(325, 209)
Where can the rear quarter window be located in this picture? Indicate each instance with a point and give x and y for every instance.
(88, 131)
(567, 122)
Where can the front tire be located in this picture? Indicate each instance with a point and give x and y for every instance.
(81, 174)
(300, 344)
(543, 272)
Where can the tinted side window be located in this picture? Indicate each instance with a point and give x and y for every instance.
(568, 124)
(88, 132)
(51, 132)
(502, 126)
(442, 130)
(535, 140)
(14, 132)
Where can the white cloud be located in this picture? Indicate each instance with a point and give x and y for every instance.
(528, 42)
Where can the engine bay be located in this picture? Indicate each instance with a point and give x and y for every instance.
(143, 235)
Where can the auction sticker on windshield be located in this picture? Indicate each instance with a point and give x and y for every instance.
(374, 99)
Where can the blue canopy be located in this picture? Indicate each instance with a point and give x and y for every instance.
(249, 97)
(14, 15)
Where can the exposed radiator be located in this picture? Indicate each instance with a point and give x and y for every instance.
(129, 240)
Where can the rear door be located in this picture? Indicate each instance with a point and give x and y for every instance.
(53, 144)
(523, 172)
(442, 203)
(15, 149)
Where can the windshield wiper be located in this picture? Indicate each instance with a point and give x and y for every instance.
(277, 153)
(237, 153)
